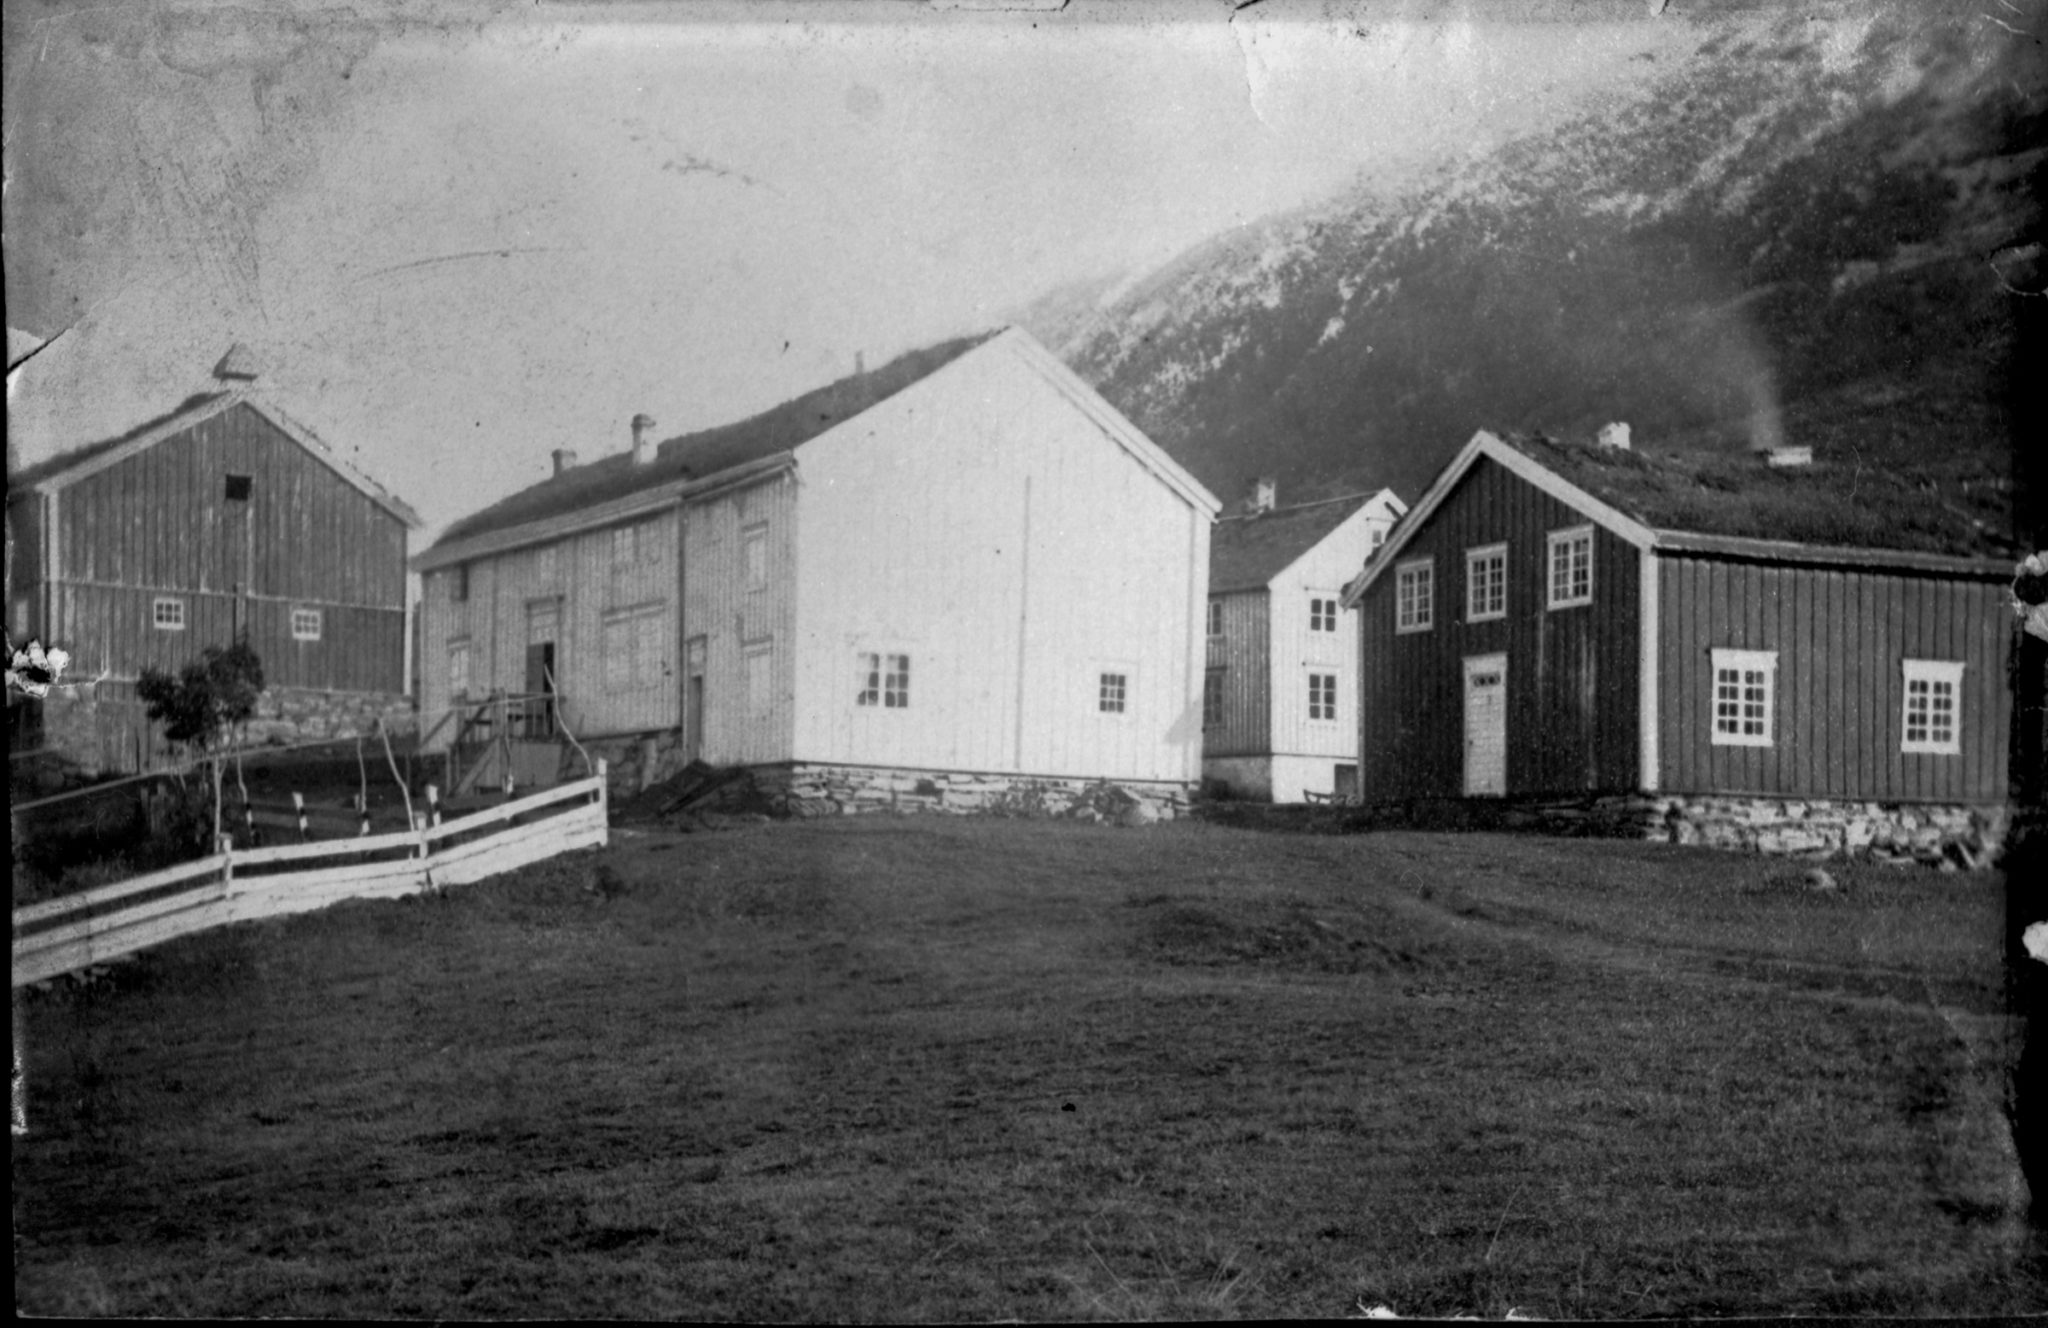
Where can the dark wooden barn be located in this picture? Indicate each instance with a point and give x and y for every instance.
(1558, 620)
(223, 519)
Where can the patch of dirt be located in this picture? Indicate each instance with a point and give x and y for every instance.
(1294, 936)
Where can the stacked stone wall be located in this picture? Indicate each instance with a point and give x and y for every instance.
(289, 715)
(831, 790)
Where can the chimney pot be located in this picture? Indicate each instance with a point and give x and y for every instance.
(643, 450)
(237, 366)
(565, 459)
(1615, 436)
(1265, 492)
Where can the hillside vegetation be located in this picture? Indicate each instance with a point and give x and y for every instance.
(1812, 230)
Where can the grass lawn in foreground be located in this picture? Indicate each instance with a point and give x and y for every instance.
(936, 1068)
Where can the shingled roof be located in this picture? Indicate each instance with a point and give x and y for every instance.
(709, 451)
(1246, 552)
(1835, 500)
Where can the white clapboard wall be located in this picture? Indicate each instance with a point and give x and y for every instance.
(64, 935)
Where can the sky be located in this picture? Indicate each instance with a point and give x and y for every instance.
(454, 239)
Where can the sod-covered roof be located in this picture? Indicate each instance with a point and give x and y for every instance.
(709, 451)
(1841, 498)
(1246, 552)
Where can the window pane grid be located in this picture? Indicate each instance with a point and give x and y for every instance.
(1486, 584)
(1322, 696)
(1571, 568)
(1109, 693)
(1413, 597)
(1933, 709)
(1322, 615)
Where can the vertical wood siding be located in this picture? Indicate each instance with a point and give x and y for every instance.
(1572, 696)
(579, 578)
(1320, 572)
(736, 621)
(1243, 653)
(982, 523)
(160, 523)
(1841, 635)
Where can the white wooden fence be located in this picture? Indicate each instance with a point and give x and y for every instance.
(64, 935)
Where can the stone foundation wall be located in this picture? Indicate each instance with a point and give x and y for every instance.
(829, 790)
(288, 715)
(87, 733)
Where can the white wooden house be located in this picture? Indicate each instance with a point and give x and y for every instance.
(959, 577)
(1279, 700)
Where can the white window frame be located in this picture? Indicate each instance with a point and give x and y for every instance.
(459, 680)
(754, 557)
(307, 624)
(1567, 540)
(884, 678)
(1935, 673)
(1124, 694)
(1476, 561)
(1417, 612)
(1324, 608)
(171, 621)
(1215, 620)
(1742, 662)
(1335, 690)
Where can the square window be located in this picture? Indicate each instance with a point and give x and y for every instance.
(1322, 614)
(1322, 696)
(1745, 682)
(306, 624)
(1486, 583)
(884, 681)
(1212, 699)
(1414, 595)
(238, 487)
(1571, 567)
(1110, 690)
(168, 613)
(1932, 721)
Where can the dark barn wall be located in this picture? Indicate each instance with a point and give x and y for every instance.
(160, 523)
(1572, 673)
(1245, 656)
(1840, 635)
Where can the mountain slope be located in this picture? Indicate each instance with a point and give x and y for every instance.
(1809, 232)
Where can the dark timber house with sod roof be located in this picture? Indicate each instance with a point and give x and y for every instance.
(1737, 649)
(223, 519)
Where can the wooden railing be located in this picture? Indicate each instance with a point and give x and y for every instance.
(75, 932)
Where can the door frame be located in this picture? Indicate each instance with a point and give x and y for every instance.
(1492, 662)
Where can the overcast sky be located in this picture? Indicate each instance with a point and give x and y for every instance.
(454, 245)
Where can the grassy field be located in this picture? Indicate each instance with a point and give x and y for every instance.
(932, 1068)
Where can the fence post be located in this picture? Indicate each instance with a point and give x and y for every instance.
(363, 813)
(226, 848)
(511, 786)
(603, 793)
(433, 805)
(299, 806)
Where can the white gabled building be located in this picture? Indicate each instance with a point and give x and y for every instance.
(1280, 698)
(959, 576)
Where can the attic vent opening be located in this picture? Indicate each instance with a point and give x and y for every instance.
(238, 488)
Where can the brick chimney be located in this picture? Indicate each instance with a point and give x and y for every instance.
(237, 366)
(1614, 436)
(565, 459)
(643, 448)
(1265, 492)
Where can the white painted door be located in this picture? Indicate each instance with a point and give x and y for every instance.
(1486, 726)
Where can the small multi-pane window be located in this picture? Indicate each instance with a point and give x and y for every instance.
(1112, 692)
(1571, 567)
(1216, 617)
(754, 557)
(1212, 698)
(1744, 687)
(1934, 706)
(1414, 596)
(1486, 583)
(884, 681)
(305, 624)
(1322, 696)
(625, 545)
(1374, 540)
(458, 583)
(1322, 614)
(458, 669)
(168, 613)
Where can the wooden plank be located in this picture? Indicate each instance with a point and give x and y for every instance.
(326, 848)
(43, 964)
(112, 923)
(53, 908)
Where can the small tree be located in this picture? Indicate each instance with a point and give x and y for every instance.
(201, 708)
